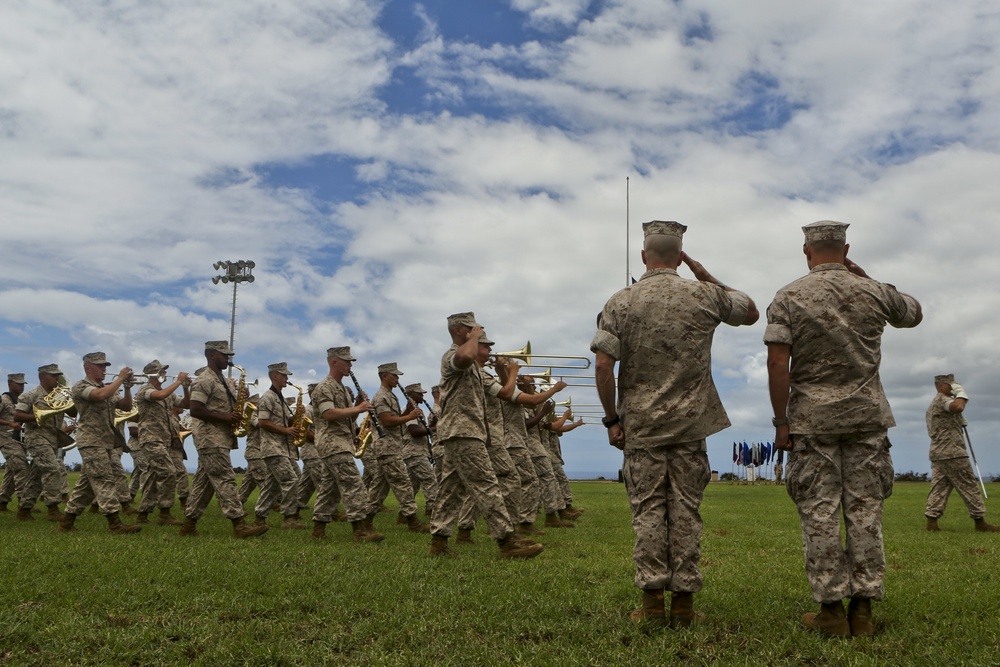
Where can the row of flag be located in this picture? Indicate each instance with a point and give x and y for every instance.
(756, 454)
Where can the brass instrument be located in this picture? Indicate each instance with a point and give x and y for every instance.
(525, 355)
(300, 422)
(364, 436)
(125, 415)
(239, 405)
(549, 379)
(186, 429)
(59, 400)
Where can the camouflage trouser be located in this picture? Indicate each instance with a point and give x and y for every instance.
(139, 467)
(121, 478)
(562, 481)
(98, 481)
(372, 473)
(284, 490)
(849, 473)
(437, 451)
(549, 489)
(507, 478)
(255, 469)
(665, 486)
(531, 499)
(158, 480)
(17, 474)
(778, 469)
(422, 476)
(214, 474)
(465, 468)
(51, 472)
(342, 474)
(180, 474)
(954, 474)
(395, 477)
(313, 474)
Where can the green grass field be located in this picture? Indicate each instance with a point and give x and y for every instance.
(92, 598)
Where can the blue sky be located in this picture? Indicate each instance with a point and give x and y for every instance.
(389, 163)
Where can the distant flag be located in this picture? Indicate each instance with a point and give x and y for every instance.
(735, 457)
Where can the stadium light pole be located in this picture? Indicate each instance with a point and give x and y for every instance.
(240, 271)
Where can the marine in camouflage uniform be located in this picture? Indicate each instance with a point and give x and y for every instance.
(156, 409)
(213, 405)
(280, 454)
(18, 475)
(660, 332)
(463, 431)
(99, 441)
(389, 452)
(548, 486)
(45, 442)
(950, 466)
(555, 428)
(516, 441)
(256, 475)
(823, 339)
(336, 412)
(178, 456)
(313, 471)
(417, 444)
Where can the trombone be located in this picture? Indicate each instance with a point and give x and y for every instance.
(525, 355)
(546, 377)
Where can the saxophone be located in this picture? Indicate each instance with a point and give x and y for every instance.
(300, 422)
(240, 406)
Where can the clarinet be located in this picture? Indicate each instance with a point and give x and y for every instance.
(371, 411)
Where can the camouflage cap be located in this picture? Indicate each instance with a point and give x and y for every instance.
(15, 377)
(389, 368)
(280, 367)
(219, 346)
(826, 230)
(485, 340)
(667, 227)
(414, 389)
(947, 379)
(154, 367)
(465, 319)
(96, 358)
(50, 369)
(340, 353)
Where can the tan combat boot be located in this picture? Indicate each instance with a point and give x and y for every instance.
(319, 530)
(243, 530)
(830, 621)
(361, 531)
(859, 617)
(260, 520)
(402, 520)
(528, 529)
(932, 525)
(439, 547)
(652, 609)
(24, 514)
(511, 547)
(54, 513)
(127, 508)
(981, 526)
(66, 525)
(569, 515)
(682, 612)
(190, 527)
(165, 518)
(415, 525)
(464, 536)
(116, 526)
(291, 522)
(553, 521)
(141, 517)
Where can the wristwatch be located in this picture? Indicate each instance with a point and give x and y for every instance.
(779, 422)
(608, 423)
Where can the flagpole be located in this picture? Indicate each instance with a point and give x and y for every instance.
(628, 270)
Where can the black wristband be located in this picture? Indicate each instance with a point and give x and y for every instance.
(608, 423)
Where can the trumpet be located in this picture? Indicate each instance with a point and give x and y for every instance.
(525, 355)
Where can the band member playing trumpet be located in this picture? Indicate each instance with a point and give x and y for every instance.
(389, 450)
(44, 440)
(97, 440)
(213, 414)
(276, 433)
(335, 415)
(156, 404)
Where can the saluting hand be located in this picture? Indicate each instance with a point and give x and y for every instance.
(476, 333)
(855, 269)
